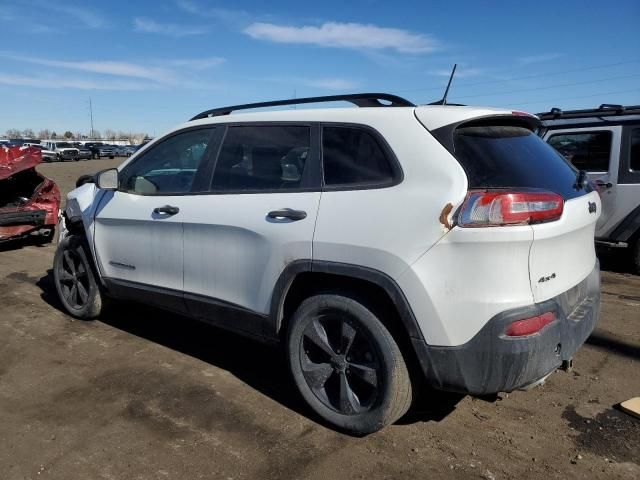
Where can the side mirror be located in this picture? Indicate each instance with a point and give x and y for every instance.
(107, 179)
(85, 179)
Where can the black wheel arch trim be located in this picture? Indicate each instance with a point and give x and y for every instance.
(376, 277)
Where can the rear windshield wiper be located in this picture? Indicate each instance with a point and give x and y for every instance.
(581, 180)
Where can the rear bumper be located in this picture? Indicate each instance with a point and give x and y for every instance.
(491, 362)
(14, 225)
(34, 218)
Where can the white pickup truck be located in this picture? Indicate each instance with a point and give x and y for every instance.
(63, 150)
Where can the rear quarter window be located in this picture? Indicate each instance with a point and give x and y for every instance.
(505, 156)
(353, 157)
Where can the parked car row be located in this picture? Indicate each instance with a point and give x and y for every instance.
(58, 151)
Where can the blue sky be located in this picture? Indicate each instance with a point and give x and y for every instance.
(148, 65)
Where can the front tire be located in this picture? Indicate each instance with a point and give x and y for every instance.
(75, 279)
(347, 365)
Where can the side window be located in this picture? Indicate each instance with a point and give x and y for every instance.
(262, 158)
(634, 150)
(588, 151)
(170, 166)
(352, 156)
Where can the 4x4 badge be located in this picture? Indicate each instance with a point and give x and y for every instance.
(592, 207)
(547, 278)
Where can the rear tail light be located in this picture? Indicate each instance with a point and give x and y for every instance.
(529, 326)
(500, 208)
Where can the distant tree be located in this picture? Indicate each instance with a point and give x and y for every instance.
(109, 134)
(96, 134)
(28, 133)
(68, 135)
(46, 133)
(13, 133)
(54, 135)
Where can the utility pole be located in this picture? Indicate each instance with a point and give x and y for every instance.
(91, 116)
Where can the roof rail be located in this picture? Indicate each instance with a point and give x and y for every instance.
(359, 99)
(604, 110)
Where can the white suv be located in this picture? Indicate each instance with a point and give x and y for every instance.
(370, 242)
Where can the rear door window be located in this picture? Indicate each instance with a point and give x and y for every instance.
(263, 158)
(505, 156)
(589, 151)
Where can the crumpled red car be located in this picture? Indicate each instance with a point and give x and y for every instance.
(29, 201)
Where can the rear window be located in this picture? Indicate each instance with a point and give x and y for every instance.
(506, 156)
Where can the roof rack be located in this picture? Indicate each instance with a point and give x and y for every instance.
(359, 99)
(604, 110)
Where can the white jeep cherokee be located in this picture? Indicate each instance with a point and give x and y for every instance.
(370, 242)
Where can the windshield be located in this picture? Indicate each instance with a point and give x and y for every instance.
(63, 145)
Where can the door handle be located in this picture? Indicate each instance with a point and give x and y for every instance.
(294, 215)
(168, 209)
(601, 184)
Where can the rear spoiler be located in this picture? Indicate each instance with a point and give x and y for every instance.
(444, 135)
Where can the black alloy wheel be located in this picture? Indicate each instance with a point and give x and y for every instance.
(340, 363)
(73, 279)
(346, 364)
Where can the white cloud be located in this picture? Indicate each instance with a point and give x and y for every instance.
(544, 57)
(122, 69)
(196, 63)
(224, 15)
(12, 18)
(85, 16)
(146, 25)
(172, 72)
(460, 72)
(345, 35)
(329, 83)
(325, 83)
(72, 82)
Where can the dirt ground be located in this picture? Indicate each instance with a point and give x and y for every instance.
(143, 394)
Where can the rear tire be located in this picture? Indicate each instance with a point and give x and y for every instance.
(347, 365)
(75, 279)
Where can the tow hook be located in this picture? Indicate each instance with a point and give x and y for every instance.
(567, 365)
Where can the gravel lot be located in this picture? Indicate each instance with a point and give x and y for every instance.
(146, 394)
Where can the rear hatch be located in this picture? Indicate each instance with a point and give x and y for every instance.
(503, 154)
(15, 159)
